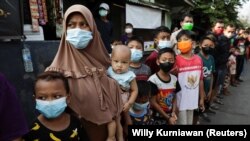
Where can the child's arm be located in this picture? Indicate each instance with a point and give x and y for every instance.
(174, 110)
(201, 95)
(133, 95)
(156, 106)
(211, 87)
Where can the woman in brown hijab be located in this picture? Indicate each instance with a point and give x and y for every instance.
(83, 59)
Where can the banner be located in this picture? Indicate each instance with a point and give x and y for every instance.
(143, 17)
(10, 19)
(188, 132)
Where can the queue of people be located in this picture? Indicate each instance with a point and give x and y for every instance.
(86, 91)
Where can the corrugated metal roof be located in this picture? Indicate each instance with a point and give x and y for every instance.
(149, 4)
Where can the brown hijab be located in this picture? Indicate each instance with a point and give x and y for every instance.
(94, 96)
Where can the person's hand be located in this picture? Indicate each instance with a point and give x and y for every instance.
(126, 107)
(201, 105)
(172, 120)
(174, 115)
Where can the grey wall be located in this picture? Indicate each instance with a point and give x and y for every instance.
(11, 65)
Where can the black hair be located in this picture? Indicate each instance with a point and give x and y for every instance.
(144, 88)
(50, 76)
(135, 38)
(210, 37)
(165, 50)
(186, 15)
(217, 21)
(237, 48)
(161, 29)
(188, 33)
(129, 24)
(230, 25)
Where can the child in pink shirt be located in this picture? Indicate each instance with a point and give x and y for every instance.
(190, 76)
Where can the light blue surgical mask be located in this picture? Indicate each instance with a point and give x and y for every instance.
(136, 55)
(138, 106)
(79, 38)
(103, 13)
(164, 44)
(51, 109)
(136, 115)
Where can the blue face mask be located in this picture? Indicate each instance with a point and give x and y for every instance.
(164, 44)
(136, 55)
(140, 107)
(103, 13)
(79, 38)
(51, 109)
(136, 115)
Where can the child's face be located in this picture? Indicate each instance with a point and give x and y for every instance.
(135, 45)
(50, 90)
(184, 38)
(120, 62)
(166, 57)
(236, 52)
(207, 43)
(162, 36)
(185, 44)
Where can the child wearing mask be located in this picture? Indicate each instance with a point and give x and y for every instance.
(120, 59)
(207, 46)
(140, 112)
(232, 65)
(141, 70)
(128, 33)
(164, 87)
(52, 95)
(190, 77)
(161, 40)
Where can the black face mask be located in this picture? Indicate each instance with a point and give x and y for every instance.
(206, 50)
(166, 67)
(212, 51)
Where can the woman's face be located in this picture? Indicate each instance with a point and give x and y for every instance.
(76, 20)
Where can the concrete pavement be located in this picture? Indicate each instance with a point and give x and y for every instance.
(236, 108)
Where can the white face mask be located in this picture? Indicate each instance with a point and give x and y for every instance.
(129, 30)
(79, 38)
(51, 109)
(136, 55)
(228, 35)
(164, 44)
(103, 13)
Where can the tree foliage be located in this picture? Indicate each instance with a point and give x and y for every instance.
(218, 9)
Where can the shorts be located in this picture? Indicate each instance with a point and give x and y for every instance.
(159, 120)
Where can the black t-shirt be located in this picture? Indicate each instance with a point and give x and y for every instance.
(74, 132)
(222, 52)
(106, 31)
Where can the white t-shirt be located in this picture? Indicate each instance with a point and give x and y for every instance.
(190, 72)
(166, 91)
